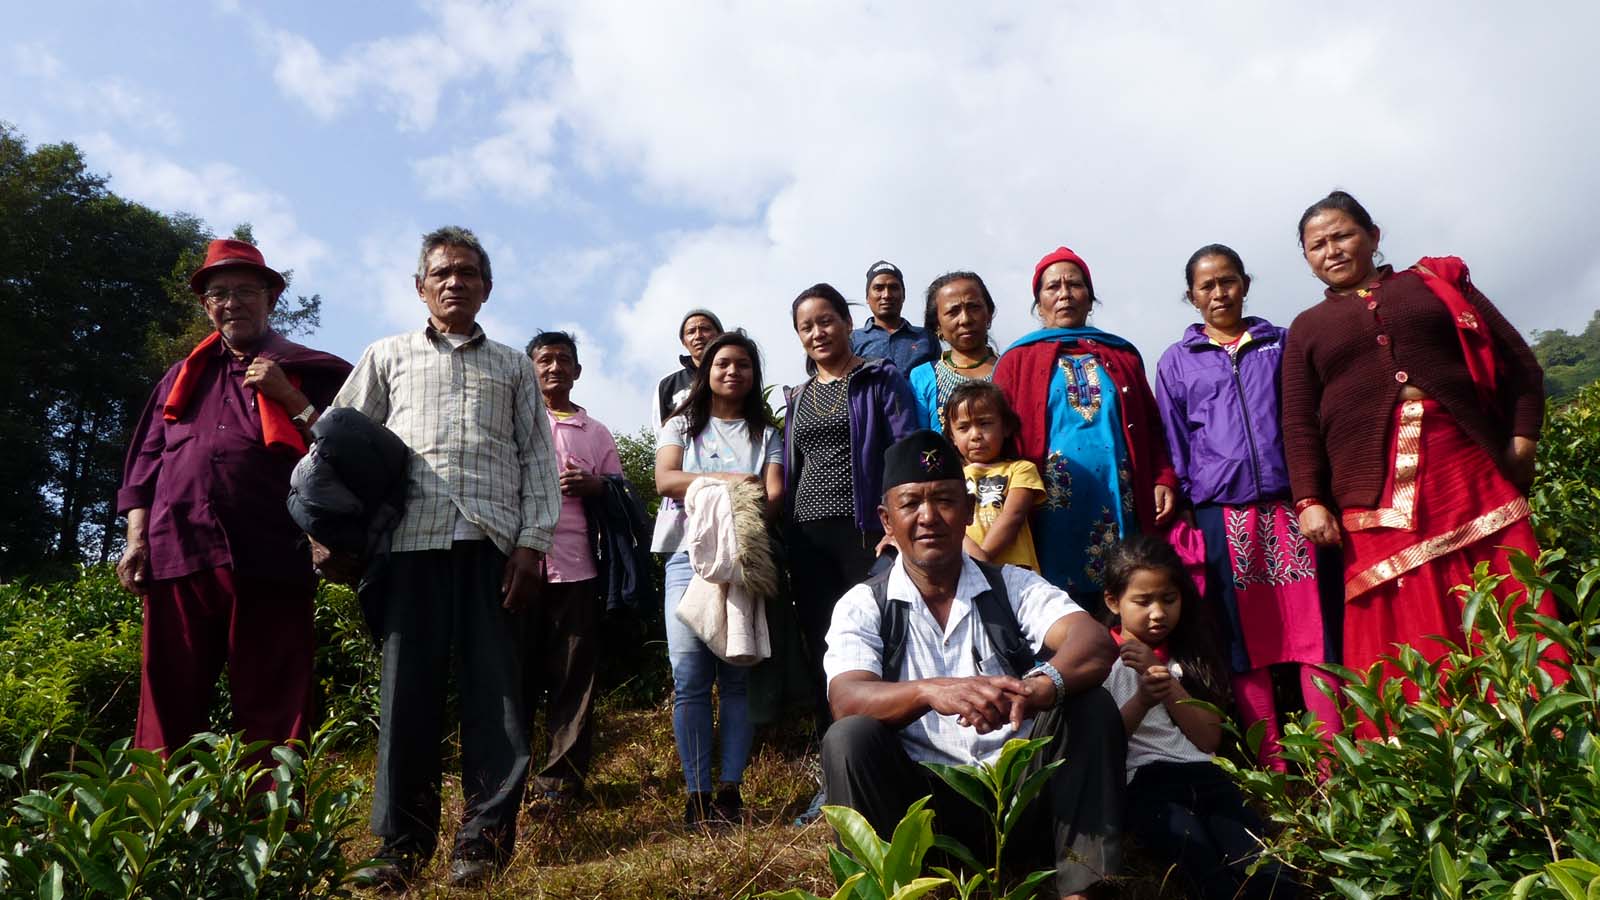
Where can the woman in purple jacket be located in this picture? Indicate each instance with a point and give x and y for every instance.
(839, 422)
(1218, 389)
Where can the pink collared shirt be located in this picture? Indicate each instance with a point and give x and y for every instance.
(583, 442)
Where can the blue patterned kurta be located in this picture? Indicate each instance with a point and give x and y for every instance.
(1087, 505)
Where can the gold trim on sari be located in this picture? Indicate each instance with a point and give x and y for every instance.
(1401, 512)
(1431, 549)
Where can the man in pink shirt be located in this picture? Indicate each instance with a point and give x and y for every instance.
(560, 650)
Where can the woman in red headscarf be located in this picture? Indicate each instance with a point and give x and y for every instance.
(1090, 423)
(1411, 412)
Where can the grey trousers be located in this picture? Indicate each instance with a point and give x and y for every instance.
(865, 767)
(443, 614)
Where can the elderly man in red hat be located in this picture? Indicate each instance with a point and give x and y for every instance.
(225, 574)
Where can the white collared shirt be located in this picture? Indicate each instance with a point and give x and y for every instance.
(959, 649)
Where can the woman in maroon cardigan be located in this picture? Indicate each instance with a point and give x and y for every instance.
(1411, 411)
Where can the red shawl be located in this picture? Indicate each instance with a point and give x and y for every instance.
(278, 430)
(1442, 275)
(1024, 373)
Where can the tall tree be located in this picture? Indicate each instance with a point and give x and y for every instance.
(1570, 360)
(84, 299)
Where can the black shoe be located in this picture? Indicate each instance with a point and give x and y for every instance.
(386, 874)
(469, 873)
(697, 809)
(728, 807)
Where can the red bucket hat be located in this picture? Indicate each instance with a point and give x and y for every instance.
(229, 253)
(1061, 254)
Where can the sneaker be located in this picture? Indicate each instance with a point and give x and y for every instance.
(813, 810)
(728, 806)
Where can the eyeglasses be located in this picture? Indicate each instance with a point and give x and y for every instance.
(247, 295)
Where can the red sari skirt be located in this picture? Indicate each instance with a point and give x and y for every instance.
(1445, 507)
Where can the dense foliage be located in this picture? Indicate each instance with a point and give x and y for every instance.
(1570, 360)
(1566, 493)
(1476, 789)
(214, 820)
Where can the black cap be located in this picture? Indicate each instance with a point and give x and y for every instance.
(884, 267)
(921, 456)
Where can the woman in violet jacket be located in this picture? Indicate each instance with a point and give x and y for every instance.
(839, 422)
(1218, 390)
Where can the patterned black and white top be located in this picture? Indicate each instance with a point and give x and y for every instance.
(822, 437)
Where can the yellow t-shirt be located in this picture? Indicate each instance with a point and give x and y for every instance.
(990, 483)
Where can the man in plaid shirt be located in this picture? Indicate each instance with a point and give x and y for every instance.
(481, 506)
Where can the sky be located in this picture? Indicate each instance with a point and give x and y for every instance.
(624, 162)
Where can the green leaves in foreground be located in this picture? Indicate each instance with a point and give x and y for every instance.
(1488, 784)
(219, 818)
(875, 869)
(1002, 790)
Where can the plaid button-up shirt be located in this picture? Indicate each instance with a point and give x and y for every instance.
(475, 422)
(959, 649)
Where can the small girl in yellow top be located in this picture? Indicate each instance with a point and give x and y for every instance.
(983, 427)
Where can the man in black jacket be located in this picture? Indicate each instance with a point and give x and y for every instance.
(697, 329)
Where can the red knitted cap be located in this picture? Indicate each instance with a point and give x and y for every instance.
(1061, 254)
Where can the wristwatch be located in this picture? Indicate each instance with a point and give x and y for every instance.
(303, 417)
(1054, 675)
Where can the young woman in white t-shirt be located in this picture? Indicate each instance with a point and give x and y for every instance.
(1181, 806)
(721, 430)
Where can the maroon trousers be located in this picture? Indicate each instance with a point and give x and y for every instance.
(261, 630)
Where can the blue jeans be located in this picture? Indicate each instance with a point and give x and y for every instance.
(694, 668)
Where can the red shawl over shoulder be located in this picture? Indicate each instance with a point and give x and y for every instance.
(1024, 374)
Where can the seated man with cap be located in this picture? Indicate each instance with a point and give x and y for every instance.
(886, 333)
(924, 664)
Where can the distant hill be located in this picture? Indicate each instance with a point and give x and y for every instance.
(1570, 360)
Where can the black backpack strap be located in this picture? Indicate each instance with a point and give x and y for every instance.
(1000, 622)
(892, 621)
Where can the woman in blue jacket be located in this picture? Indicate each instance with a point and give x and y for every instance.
(1218, 390)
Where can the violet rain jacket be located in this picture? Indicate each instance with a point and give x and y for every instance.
(1222, 415)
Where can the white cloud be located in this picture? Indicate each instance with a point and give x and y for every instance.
(35, 60)
(803, 141)
(514, 163)
(409, 75)
(113, 99)
(218, 193)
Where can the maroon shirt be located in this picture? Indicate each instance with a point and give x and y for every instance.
(216, 494)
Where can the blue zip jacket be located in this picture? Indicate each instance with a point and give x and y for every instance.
(1222, 415)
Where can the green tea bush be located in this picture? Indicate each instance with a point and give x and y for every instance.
(1566, 490)
(348, 665)
(69, 663)
(212, 821)
(1488, 785)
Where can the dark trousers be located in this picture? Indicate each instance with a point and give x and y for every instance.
(1191, 815)
(865, 767)
(559, 656)
(443, 612)
(261, 630)
(826, 558)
